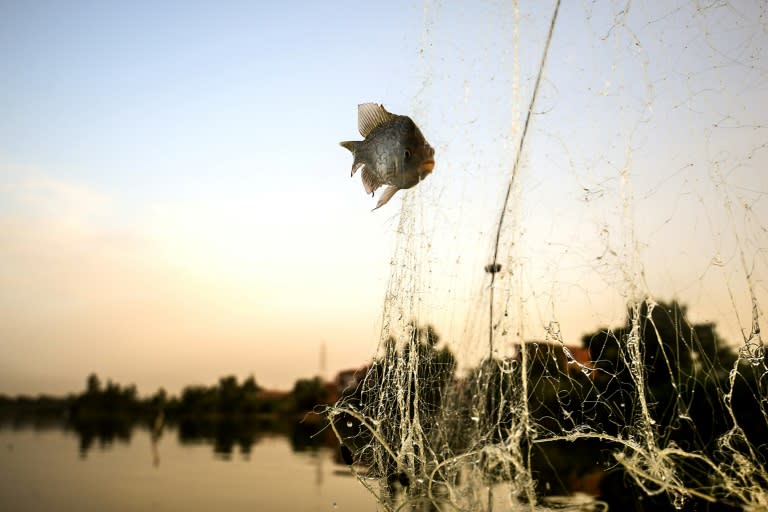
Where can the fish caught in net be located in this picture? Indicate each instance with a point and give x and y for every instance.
(573, 314)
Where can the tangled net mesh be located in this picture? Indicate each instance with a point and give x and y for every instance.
(577, 291)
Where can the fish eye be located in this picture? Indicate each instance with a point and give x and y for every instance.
(407, 154)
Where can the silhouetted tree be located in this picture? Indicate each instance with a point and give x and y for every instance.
(684, 369)
(159, 399)
(250, 386)
(228, 395)
(93, 385)
(309, 393)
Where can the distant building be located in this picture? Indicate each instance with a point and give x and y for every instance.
(553, 356)
(346, 381)
(580, 354)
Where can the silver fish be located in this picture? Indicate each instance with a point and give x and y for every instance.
(393, 153)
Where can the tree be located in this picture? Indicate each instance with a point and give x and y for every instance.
(250, 386)
(93, 385)
(309, 393)
(685, 368)
(229, 394)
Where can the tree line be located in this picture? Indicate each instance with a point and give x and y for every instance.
(227, 398)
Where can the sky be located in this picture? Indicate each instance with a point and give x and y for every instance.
(175, 207)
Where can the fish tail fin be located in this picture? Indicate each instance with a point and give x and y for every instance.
(352, 146)
(386, 196)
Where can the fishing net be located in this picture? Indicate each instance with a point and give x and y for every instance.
(576, 293)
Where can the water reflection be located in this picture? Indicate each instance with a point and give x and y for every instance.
(103, 432)
(226, 436)
(192, 465)
(229, 435)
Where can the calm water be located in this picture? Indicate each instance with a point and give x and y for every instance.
(55, 469)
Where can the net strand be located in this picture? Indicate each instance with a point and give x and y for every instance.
(494, 267)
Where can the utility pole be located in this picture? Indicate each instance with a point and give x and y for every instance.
(322, 360)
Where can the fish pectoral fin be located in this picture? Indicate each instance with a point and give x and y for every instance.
(371, 115)
(370, 181)
(386, 196)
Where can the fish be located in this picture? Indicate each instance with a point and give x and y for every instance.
(394, 152)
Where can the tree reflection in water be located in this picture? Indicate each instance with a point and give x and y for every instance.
(104, 431)
(227, 436)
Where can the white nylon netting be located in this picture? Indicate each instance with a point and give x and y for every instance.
(627, 220)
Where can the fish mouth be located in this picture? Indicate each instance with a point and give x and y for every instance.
(428, 165)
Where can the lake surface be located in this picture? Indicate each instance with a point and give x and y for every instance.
(65, 470)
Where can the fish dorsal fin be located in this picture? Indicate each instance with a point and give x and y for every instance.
(371, 115)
